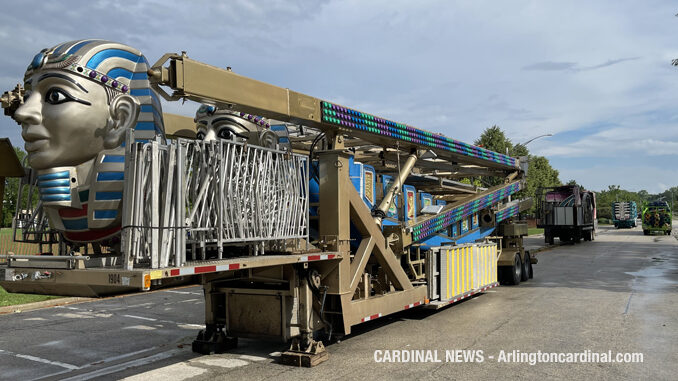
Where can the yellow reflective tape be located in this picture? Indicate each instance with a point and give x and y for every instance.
(456, 271)
(482, 266)
(463, 269)
(486, 265)
(469, 268)
(156, 274)
(448, 273)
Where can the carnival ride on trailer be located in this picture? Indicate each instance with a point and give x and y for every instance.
(346, 217)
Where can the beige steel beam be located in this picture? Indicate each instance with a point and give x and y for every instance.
(204, 83)
(362, 218)
(396, 185)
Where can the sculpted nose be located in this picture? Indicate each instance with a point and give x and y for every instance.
(30, 111)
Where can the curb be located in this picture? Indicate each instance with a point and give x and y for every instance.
(543, 248)
(18, 308)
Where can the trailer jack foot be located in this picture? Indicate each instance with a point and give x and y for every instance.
(313, 354)
(213, 340)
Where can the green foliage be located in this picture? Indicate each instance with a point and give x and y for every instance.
(574, 182)
(494, 139)
(605, 198)
(519, 150)
(10, 197)
(540, 174)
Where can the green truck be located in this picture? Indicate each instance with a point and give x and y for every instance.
(656, 218)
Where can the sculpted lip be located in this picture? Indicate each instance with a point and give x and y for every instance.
(35, 139)
(35, 145)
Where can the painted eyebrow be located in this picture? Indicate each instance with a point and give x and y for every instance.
(202, 122)
(230, 120)
(57, 75)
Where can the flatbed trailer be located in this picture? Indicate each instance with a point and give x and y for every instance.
(284, 242)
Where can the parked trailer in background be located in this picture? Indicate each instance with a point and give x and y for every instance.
(657, 218)
(624, 214)
(567, 212)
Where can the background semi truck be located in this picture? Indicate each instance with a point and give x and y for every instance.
(355, 217)
(567, 212)
(624, 214)
(657, 218)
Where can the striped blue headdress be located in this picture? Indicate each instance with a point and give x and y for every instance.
(121, 69)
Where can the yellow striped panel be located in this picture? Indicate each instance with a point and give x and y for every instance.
(469, 260)
(489, 264)
(463, 269)
(457, 271)
(448, 264)
(483, 266)
(469, 270)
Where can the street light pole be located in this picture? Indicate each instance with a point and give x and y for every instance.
(529, 141)
(535, 138)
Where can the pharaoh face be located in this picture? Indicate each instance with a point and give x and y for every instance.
(220, 126)
(213, 124)
(63, 119)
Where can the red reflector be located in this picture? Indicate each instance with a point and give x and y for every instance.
(205, 269)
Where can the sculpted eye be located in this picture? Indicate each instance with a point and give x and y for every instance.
(225, 133)
(57, 96)
(200, 135)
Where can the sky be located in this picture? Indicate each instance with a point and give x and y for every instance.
(596, 75)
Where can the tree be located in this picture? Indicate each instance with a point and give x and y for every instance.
(573, 182)
(519, 150)
(11, 192)
(540, 174)
(494, 139)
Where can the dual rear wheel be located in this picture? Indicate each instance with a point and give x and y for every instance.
(521, 270)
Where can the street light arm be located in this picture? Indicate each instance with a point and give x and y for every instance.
(535, 138)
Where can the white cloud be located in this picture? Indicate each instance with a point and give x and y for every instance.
(597, 177)
(454, 68)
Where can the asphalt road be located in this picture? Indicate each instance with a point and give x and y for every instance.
(618, 293)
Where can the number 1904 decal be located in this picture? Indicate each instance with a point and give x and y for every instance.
(114, 279)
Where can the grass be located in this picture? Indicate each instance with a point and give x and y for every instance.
(533, 231)
(11, 299)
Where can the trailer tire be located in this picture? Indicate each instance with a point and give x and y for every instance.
(511, 275)
(525, 272)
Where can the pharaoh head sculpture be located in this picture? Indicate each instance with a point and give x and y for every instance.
(81, 99)
(213, 123)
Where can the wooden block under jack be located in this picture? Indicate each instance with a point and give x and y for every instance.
(312, 356)
(303, 359)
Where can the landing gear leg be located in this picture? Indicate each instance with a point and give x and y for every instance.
(305, 352)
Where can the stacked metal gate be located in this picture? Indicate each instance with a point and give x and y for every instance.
(204, 195)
